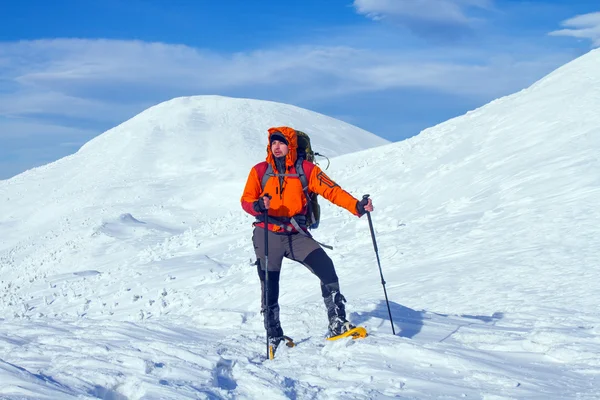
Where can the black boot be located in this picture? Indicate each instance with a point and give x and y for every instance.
(336, 310)
(271, 318)
(273, 327)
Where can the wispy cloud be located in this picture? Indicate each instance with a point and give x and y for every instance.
(18, 152)
(425, 17)
(68, 88)
(585, 26)
(92, 78)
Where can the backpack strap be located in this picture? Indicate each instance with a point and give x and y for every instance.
(301, 174)
(296, 221)
(304, 233)
(268, 173)
(304, 181)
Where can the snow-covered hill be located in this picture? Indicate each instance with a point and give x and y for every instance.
(181, 162)
(140, 285)
(199, 142)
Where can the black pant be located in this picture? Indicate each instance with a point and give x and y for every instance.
(296, 247)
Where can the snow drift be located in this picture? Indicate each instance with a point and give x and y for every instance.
(133, 278)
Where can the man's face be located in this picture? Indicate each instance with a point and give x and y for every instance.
(279, 149)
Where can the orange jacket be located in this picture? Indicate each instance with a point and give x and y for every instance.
(288, 200)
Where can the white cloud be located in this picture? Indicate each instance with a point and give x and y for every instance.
(70, 90)
(55, 102)
(585, 26)
(88, 78)
(52, 141)
(87, 83)
(444, 12)
(16, 129)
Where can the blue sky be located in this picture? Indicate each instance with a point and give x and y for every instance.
(71, 69)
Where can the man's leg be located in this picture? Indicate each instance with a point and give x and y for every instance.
(276, 252)
(308, 252)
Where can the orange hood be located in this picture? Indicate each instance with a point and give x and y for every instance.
(290, 135)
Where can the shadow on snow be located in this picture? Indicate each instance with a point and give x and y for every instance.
(408, 322)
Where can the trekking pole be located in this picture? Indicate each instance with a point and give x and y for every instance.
(366, 196)
(267, 278)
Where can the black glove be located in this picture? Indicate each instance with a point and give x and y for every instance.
(259, 205)
(360, 206)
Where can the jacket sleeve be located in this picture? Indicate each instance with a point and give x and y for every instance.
(323, 185)
(251, 193)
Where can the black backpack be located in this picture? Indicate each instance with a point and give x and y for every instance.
(305, 152)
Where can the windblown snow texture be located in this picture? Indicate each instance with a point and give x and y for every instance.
(126, 268)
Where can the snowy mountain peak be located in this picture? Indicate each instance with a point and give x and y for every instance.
(199, 134)
(553, 118)
(189, 146)
(577, 74)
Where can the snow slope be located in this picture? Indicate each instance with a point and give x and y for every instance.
(178, 162)
(486, 225)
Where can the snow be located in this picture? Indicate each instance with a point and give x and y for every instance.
(126, 268)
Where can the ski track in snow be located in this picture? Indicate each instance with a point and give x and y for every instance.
(143, 287)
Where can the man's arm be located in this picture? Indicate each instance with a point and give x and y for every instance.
(323, 185)
(251, 193)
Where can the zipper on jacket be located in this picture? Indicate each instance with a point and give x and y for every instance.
(281, 187)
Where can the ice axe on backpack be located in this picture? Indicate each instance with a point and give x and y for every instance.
(365, 197)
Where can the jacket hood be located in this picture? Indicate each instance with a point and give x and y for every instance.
(290, 135)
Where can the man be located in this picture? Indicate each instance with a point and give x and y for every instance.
(287, 205)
